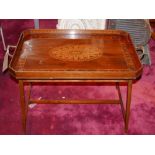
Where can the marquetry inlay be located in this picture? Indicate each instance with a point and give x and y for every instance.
(71, 52)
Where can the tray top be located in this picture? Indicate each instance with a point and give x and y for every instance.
(75, 54)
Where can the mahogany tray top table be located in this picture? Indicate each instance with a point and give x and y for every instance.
(75, 56)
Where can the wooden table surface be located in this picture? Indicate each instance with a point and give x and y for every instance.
(75, 54)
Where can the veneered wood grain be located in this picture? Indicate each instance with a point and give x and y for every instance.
(75, 54)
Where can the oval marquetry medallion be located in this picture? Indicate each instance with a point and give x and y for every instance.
(75, 52)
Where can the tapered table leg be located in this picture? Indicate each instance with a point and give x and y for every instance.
(120, 100)
(23, 105)
(28, 96)
(128, 102)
